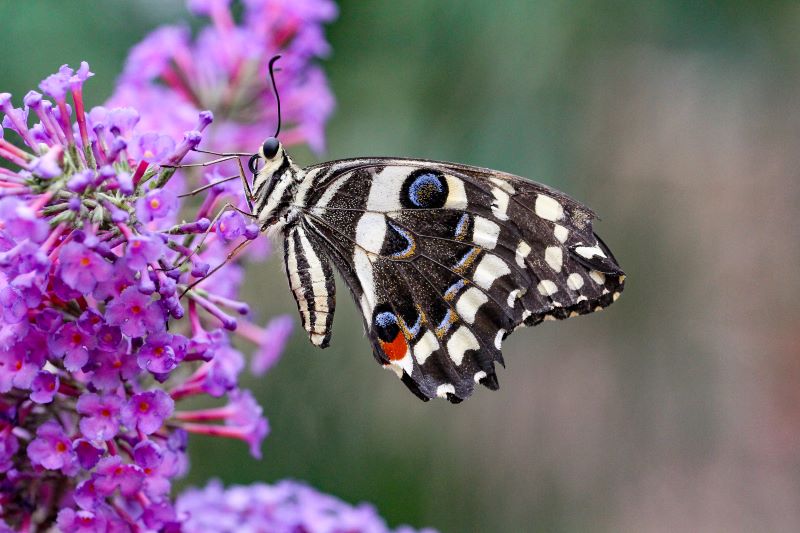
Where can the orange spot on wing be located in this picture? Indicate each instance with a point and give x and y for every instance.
(396, 349)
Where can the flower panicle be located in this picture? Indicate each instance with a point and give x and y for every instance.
(224, 68)
(97, 349)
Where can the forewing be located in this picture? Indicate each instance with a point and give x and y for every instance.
(445, 260)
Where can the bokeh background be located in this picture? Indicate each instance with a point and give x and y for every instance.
(677, 409)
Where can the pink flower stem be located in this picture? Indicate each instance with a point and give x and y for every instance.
(66, 127)
(80, 116)
(249, 331)
(214, 431)
(125, 230)
(112, 447)
(139, 172)
(7, 146)
(14, 158)
(40, 202)
(204, 415)
(53, 237)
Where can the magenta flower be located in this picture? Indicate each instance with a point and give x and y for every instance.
(16, 369)
(231, 225)
(162, 352)
(100, 420)
(143, 250)
(81, 268)
(13, 305)
(135, 313)
(88, 454)
(44, 387)
(155, 205)
(73, 344)
(153, 147)
(19, 220)
(156, 467)
(170, 76)
(81, 521)
(52, 449)
(111, 369)
(112, 473)
(147, 411)
(270, 343)
(284, 506)
(9, 445)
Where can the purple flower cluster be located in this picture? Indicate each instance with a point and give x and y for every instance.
(99, 340)
(286, 507)
(224, 69)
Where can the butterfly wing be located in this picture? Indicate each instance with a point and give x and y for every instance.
(445, 260)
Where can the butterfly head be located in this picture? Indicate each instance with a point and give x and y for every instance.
(275, 180)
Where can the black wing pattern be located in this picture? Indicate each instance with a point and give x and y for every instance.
(446, 260)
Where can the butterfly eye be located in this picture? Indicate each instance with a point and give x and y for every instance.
(270, 147)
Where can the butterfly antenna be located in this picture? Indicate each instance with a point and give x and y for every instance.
(275, 88)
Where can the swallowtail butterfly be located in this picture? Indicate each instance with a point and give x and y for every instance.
(444, 260)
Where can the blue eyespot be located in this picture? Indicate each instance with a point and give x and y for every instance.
(424, 189)
(385, 319)
(386, 323)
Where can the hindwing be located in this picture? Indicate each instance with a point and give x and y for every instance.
(445, 260)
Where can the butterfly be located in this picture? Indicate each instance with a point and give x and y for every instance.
(444, 260)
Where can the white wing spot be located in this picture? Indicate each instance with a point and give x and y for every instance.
(394, 368)
(384, 191)
(406, 363)
(582, 298)
(547, 287)
(523, 249)
(589, 251)
(425, 346)
(597, 277)
(479, 376)
(489, 269)
(485, 233)
(460, 341)
(503, 184)
(498, 339)
(468, 304)
(615, 296)
(561, 233)
(371, 231)
(444, 389)
(548, 208)
(512, 297)
(575, 281)
(457, 196)
(554, 257)
(500, 204)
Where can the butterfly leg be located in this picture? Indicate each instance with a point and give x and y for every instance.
(222, 154)
(204, 163)
(233, 253)
(211, 227)
(248, 194)
(208, 186)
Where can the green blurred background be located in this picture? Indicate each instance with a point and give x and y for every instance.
(677, 409)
